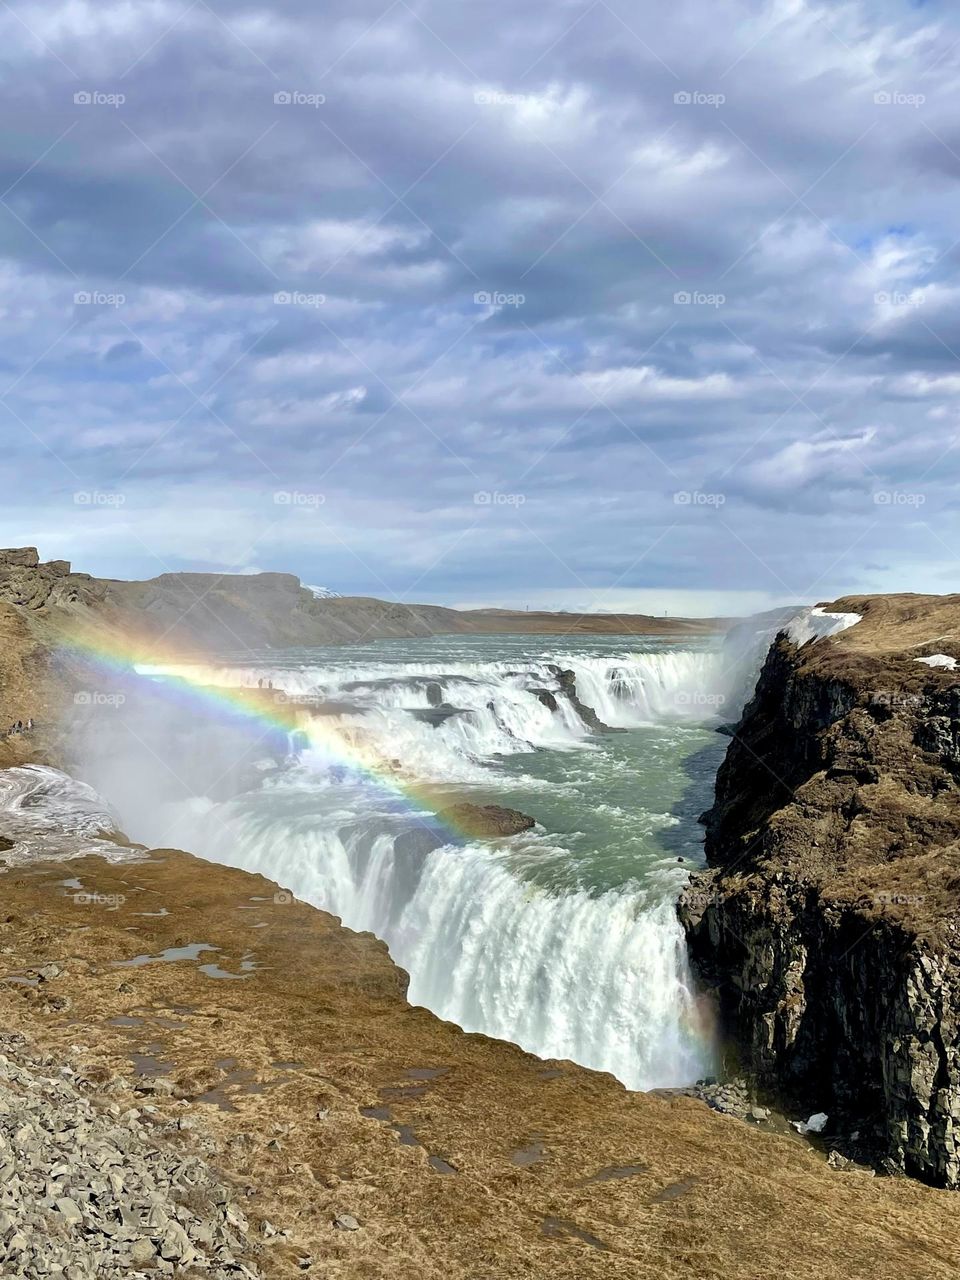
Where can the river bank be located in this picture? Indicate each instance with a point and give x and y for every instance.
(284, 1052)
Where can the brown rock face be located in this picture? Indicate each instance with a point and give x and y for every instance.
(481, 821)
(829, 923)
(24, 557)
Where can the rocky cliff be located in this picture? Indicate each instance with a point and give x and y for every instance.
(828, 923)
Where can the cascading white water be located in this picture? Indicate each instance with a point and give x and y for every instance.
(532, 939)
(648, 688)
(601, 979)
(47, 814)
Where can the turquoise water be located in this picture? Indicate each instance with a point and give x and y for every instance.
(563, 939)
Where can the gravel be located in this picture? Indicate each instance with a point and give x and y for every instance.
(90, 1191)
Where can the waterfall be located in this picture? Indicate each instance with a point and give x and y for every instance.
(514, 938)
(600, 979)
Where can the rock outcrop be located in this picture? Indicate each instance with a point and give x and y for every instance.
(25, 581)
(828, 924)
(486, 821)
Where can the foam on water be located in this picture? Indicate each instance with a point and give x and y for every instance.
(564, 940)
(48, 814)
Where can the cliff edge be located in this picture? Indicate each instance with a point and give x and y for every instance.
(828, 924)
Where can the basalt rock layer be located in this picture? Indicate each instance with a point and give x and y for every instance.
(828, 923)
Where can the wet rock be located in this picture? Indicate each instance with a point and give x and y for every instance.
(548, 699)
(479, 821)
(567, 681)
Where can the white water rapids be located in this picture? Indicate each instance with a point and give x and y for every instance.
(565, 939)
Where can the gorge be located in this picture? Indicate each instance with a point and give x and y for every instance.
(813, 950)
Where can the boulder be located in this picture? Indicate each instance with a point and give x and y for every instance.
(19, 557)
(544, 696)
(480, 821)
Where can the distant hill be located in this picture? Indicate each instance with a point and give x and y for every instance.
(232, 612)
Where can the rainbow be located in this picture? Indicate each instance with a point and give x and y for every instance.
(186, 680)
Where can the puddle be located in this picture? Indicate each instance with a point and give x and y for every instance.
(559, 1229)
(288, 1066)
(554, 1073)
(426, 1073)
(170, 1023)
(162, 912)
(674, 1191)
(71, 884)
(383, 1114)
(125, 1021)
(145, 1064)
(214, 971)
(190, 952)
(26, 982)
(523, 1157)
(241, 1081)
(614, 1172)
(261, 924)
(407, 1136)
(403, 1092)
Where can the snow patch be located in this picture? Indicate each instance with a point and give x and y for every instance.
(816, 623)
(939, 660)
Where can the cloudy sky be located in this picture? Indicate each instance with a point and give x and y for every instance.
(590, 305)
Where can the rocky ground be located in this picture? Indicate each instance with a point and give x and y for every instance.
(95, 1183)
(333, 1130)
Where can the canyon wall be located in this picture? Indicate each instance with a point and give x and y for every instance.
(828, 922)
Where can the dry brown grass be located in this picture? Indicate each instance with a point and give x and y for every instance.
(715, 1200)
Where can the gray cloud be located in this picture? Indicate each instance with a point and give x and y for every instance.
(673, 291)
